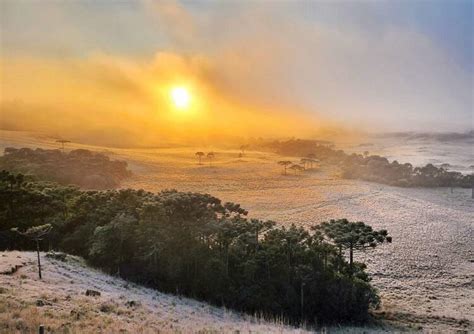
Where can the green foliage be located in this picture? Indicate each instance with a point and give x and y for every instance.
(79, 167)
(351, 235)
(372, 168)
(35, 232)
(378, 169)
(197, 246)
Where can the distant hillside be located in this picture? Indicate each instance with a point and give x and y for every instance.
(79, 167)
(60, 303)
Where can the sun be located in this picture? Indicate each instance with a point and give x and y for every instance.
(180, 97)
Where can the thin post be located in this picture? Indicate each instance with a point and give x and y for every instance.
(41, 329)
(39, 261)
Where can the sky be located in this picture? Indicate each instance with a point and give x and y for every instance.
(260, 67)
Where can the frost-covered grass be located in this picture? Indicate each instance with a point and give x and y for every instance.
(425, 276)
(123, 307)
(59, 302)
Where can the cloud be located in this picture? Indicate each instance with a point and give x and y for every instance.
(374, 76)
(255, 69)
(174, 19)
(121, 101)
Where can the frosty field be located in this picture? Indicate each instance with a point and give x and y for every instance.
(425, 277)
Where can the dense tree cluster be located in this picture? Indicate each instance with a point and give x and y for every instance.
(80, 167)
(319, 149)
(197, 246)
(378, 169)
(373, 167)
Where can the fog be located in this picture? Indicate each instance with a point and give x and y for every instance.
(252, 69)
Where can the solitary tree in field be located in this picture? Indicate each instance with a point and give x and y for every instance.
(210, 156)
(200, 155)
(36, 233)
(297, 168)
(62, 142)
(285, 164)
(352, 236)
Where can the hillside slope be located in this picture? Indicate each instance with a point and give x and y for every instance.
(60, 303)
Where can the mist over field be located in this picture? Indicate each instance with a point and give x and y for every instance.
(252, 70)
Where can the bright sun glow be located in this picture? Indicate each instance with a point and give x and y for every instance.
(180, 97)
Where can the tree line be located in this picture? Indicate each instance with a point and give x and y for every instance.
(80, 167)
(372, 168)
(378, 169)
(195, 245)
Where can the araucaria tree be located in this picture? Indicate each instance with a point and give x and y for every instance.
(62, 142)
(352, 236)
(200, 155)
(36, 233)
(285, 164)
(297, 168)
(210, 156)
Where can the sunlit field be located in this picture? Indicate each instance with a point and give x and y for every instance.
(425, 276)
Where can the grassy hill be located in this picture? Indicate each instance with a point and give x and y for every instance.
(60, 303)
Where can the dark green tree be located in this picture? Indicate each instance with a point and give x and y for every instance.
(352, 236)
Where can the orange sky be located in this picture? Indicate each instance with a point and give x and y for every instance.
(129, 101)
(102, 72)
